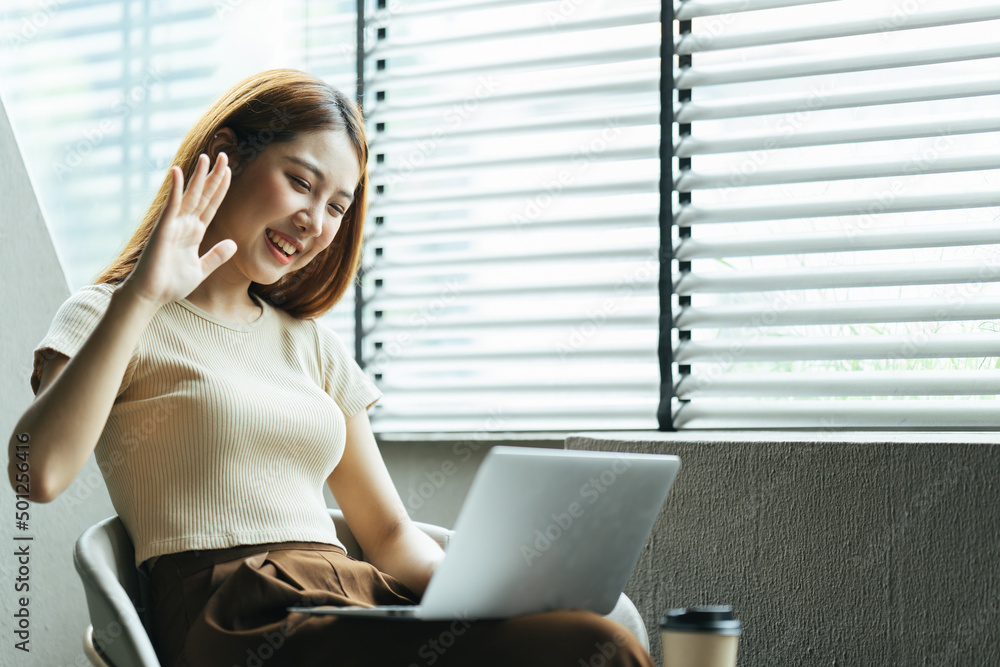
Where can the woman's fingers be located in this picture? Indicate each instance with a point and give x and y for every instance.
(215, 189)
(192, 196)
(218, 255)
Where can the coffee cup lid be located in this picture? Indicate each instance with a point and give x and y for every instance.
(717, 619)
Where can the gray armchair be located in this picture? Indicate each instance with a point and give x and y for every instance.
(117, 637)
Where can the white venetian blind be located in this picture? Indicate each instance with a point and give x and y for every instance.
(95, 90)
(835, 224)
(512, 263)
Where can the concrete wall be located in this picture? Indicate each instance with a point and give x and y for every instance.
(865, 549)
(34, 288)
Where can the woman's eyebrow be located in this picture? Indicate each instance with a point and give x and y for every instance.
(320, 176)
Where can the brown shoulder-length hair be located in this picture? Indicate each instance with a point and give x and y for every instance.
(276, 105)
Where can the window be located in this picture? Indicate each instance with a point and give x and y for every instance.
(835, 215)
(512, 267)
(825, 254)
(527, 303)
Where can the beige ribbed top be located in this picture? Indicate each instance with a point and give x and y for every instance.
(222, 434)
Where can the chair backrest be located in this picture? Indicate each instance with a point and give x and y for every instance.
(105, 561)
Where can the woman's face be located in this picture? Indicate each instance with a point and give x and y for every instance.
(291, 197)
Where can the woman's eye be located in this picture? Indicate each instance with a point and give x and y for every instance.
(302, 184)
(336, 209)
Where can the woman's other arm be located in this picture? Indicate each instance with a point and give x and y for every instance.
(75, 396)
(374, 511)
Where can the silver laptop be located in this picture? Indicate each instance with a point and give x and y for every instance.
(541, 529)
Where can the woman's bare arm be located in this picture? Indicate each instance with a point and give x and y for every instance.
(375, 512)
(75, 396)
(74, 399)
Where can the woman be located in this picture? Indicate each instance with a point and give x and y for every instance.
(217, 407)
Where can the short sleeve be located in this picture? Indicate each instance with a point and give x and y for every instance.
(72, 325)
(343, 379)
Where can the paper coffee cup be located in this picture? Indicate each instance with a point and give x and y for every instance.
(705, 636)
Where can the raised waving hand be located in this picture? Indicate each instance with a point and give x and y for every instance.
(170, 267)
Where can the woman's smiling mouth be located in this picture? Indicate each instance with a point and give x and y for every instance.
(280, 248)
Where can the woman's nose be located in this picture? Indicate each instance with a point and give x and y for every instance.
(309, 222)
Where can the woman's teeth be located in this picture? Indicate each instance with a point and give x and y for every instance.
(278, 241)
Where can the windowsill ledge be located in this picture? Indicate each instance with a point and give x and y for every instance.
(557, 439)
(805, 437)
(551, 438)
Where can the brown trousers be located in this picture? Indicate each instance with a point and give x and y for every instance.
(227, 608)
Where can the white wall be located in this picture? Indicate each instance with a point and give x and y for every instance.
(34, 288)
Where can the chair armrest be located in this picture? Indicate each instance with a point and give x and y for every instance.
(626, 615)
(90, 650)
(104, 559)
(437, 533)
